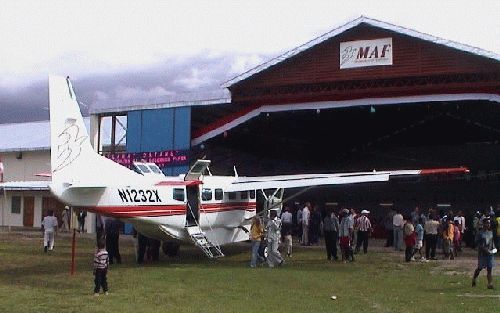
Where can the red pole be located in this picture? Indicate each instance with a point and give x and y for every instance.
(73, 248)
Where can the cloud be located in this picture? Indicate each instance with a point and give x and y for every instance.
(171, 79)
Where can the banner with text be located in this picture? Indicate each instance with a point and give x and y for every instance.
(362, 53)
(161, 158)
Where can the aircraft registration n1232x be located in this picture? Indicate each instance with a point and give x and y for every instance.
(205, 210)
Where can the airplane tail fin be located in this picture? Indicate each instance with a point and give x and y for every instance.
(72, 157)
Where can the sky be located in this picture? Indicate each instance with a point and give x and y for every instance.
(155, 51)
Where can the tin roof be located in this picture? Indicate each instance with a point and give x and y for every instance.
(352, 24)
(217, 96)
(25, 185)
(35, 136)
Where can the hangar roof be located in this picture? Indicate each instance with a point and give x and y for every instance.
(352, 24)
(218, 96)
(34, 136)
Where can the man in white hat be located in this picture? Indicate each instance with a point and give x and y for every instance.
(364, 230)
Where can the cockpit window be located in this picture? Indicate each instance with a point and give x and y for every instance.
(155, 169)
(143, 168)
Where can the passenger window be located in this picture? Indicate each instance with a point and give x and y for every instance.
(219, 194)
(206, 194)
(178, 194)
(252, 194)
(244, 195)
(231, 195)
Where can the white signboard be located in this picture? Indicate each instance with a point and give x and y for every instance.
(363, 53)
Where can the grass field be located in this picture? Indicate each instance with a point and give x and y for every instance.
(31, 281)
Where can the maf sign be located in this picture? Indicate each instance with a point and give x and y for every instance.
(363, 53)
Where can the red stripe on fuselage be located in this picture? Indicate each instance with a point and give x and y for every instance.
(167, 210)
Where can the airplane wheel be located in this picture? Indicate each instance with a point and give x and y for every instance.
(170, 248)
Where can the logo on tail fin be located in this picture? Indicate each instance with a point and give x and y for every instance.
(70, 143)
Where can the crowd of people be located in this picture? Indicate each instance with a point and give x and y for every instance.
(420, 235)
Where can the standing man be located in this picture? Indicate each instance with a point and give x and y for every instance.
(273, 228)
(49, 226)
(299, 223)
(364, 230)
(397, 224)
(415, 215)
(431, 233)
(286, 230)
(82, 215)
(485, 251)
(112, 228)
(331, 229)
(389, 228)
(306, 215)
(460, 218)
(65, 219)
(345, 234)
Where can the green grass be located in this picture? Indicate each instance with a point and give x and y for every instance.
(31, 281)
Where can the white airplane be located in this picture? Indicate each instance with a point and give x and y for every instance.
(206, 210)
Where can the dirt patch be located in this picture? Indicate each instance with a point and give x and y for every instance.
(465, 263)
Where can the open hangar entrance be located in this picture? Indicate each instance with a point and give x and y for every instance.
(367, 95)
(366, 138)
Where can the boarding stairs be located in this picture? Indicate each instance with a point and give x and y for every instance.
(199, 238)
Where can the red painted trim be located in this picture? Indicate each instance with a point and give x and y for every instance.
(452, 170)
(223, 121)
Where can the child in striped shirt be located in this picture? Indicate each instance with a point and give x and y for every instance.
(101, 263)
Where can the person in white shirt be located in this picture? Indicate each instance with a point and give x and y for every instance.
(286, 230)
(461, 226)
(397, 223)
(306, 214)
(49, 225)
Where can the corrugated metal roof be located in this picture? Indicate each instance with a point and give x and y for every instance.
(25, 185)
(35, 136)
(354, 23)
(218, 96)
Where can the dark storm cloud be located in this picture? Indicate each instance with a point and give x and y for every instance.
(162, 82)
(21, 104)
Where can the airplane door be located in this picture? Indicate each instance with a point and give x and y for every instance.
(197, 170)
(193, 204)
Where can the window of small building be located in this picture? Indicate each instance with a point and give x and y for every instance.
(243, 195)
(219, 194)
(16, 205)
(206, 194)
(231, 195)
(178, 194)
(252, 194)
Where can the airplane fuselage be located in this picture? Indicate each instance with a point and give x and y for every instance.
(164, 209)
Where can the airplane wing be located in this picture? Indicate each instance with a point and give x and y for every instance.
(307, 180)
